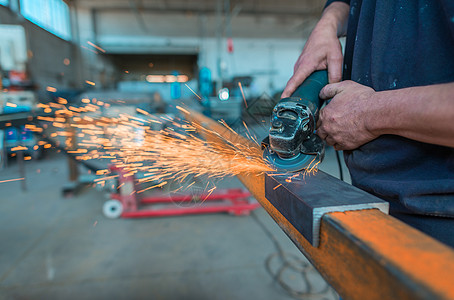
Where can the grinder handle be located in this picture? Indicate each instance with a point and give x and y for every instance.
(311, 87)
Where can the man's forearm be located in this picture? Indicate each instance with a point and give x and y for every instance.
(336, 15)
(322, 49)
(423, 113)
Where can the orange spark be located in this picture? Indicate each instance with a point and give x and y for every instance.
(19, 148)
(97, 47)
(49, 119)
(182, 109)
(193, 91)
(105, 178)
(62, 100)
(152, 187)
(10, 180)
(189, 185)
(227, 126)
(209, 193)
(275, 188)
(51, 89)
(89, 82)
(102, 172)
(242, 93)
(91, 50)
(175, 153)
(142, 111)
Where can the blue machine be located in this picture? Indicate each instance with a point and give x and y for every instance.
(21, 136)
(175, 87)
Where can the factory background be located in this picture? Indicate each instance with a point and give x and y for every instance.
(229, 39)
(63, 237)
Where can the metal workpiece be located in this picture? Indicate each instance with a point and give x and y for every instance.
(304, 199)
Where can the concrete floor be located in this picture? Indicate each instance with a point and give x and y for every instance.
(64, 248)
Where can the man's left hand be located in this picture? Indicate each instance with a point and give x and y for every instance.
(343, 122)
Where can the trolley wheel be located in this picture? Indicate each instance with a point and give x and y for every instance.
(112, 209)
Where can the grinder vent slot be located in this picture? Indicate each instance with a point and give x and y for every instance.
(287, 114)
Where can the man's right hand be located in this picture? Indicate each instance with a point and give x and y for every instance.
(322, 49)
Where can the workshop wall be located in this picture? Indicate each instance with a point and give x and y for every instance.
(95, 67)
(55, 62)
(269, 61)
(46, 54)
(263, 47)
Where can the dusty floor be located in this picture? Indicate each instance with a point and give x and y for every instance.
(54, 247)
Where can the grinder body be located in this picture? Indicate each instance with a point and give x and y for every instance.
(292, 144)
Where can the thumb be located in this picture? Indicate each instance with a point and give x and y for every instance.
(331, 90)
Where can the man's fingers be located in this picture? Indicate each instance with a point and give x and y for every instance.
(330, 141)
(338, 147)
(327, 138)
(324, 136)
(335, 69)
(300, 75)
(321, 133)
(321, 115)
(331, 90)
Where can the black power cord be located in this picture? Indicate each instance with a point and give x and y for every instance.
(292, 262)
(339, 164)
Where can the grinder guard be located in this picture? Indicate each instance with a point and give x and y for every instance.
(292, 144)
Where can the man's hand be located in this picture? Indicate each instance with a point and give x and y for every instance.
(323, 49)
(357, 114)
(343, 122)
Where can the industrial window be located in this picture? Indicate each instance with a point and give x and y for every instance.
(52, 15)
(4, 2)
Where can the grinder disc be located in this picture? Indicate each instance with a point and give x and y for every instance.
(294, 164)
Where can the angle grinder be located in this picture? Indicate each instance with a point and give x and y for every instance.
(292, 144)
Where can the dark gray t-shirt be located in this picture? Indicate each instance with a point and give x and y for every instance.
(392, 45)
